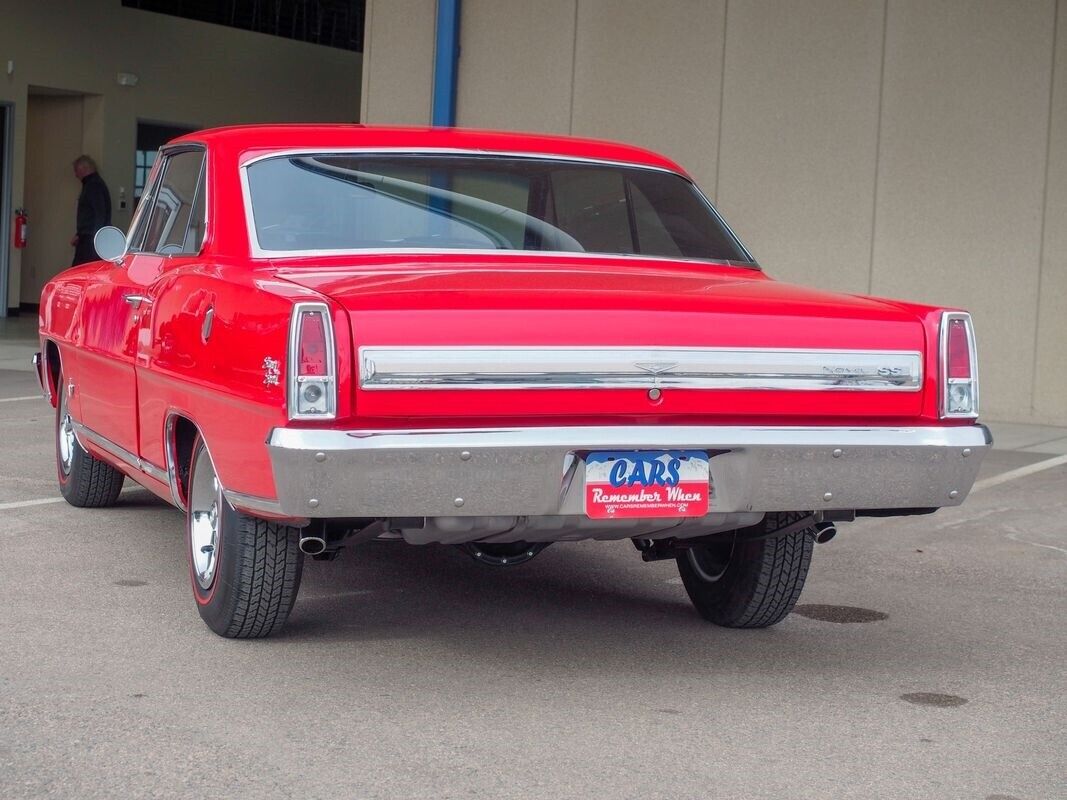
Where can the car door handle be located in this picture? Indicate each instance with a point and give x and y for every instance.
(135, 300)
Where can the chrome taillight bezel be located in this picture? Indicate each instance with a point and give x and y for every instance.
(295, 381)
(946, 382)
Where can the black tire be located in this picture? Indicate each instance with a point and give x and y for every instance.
(84, 481)
(747, 584)
(256, 578)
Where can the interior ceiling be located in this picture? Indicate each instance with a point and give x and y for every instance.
(333, 23)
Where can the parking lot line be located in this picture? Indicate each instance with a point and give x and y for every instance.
(27, 503)
(1021, 472)
(19, 399)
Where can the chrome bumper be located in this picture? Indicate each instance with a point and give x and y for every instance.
(540, 471)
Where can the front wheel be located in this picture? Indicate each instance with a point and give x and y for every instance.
(245, 571)
(747, 584)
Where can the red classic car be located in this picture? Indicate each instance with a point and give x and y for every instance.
(313, 336)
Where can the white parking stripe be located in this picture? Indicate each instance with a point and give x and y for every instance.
(1021, 472)
(19, 399)
(27, 503)
(45, 501)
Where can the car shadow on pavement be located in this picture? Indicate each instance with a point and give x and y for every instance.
(588, 606)
(591, 606)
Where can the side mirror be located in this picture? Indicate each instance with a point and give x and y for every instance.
(110, 244)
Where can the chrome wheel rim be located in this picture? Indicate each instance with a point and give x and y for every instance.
(205, 507)
(65, 434)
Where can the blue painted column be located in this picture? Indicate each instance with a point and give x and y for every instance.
(445, 63)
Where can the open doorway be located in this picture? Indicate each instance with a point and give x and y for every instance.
(56, 134)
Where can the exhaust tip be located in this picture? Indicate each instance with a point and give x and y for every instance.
(312, 545)
(824, 532)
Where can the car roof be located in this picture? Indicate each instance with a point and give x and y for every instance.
(248, 141)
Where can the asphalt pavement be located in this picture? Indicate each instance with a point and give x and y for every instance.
(927, 660)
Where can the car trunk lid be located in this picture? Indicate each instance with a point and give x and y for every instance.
(596, 338)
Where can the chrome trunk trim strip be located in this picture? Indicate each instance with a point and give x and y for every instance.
(386, 367)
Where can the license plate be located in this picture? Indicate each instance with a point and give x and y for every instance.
(656, 483)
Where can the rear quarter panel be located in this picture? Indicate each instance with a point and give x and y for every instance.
(219, 383)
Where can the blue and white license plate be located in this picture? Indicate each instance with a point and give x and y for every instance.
(647, 483)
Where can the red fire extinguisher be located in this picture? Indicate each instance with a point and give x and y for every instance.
(21, 227)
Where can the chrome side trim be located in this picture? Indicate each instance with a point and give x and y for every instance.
(148, 468)
(119, 452)
(107, 445)
(638, 368)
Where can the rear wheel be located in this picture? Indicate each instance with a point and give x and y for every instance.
(84, 481)
(245, 571)
(747, 584)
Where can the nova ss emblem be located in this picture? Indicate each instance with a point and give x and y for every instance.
(272, 370)
(656, 367)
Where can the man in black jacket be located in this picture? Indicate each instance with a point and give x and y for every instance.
(94, 210)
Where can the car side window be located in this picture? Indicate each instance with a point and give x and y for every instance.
(175, 221)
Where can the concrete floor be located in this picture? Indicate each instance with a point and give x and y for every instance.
(415, 672)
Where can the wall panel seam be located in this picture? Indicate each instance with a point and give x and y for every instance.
(722, 100)
(574, 69)
(877, 146)
(1044, 206)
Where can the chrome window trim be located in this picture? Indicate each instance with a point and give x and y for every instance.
(490, 368)
(330, 379)
(946, 318)
(260, 252)
(156, 179)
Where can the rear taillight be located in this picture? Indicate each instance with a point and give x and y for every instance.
(959, 366)
(312, 363)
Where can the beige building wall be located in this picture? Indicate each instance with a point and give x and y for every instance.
(401, 35)
(1050, 372)
(189, 73)
(904, 148)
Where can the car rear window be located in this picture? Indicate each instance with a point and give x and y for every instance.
(340, 202)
